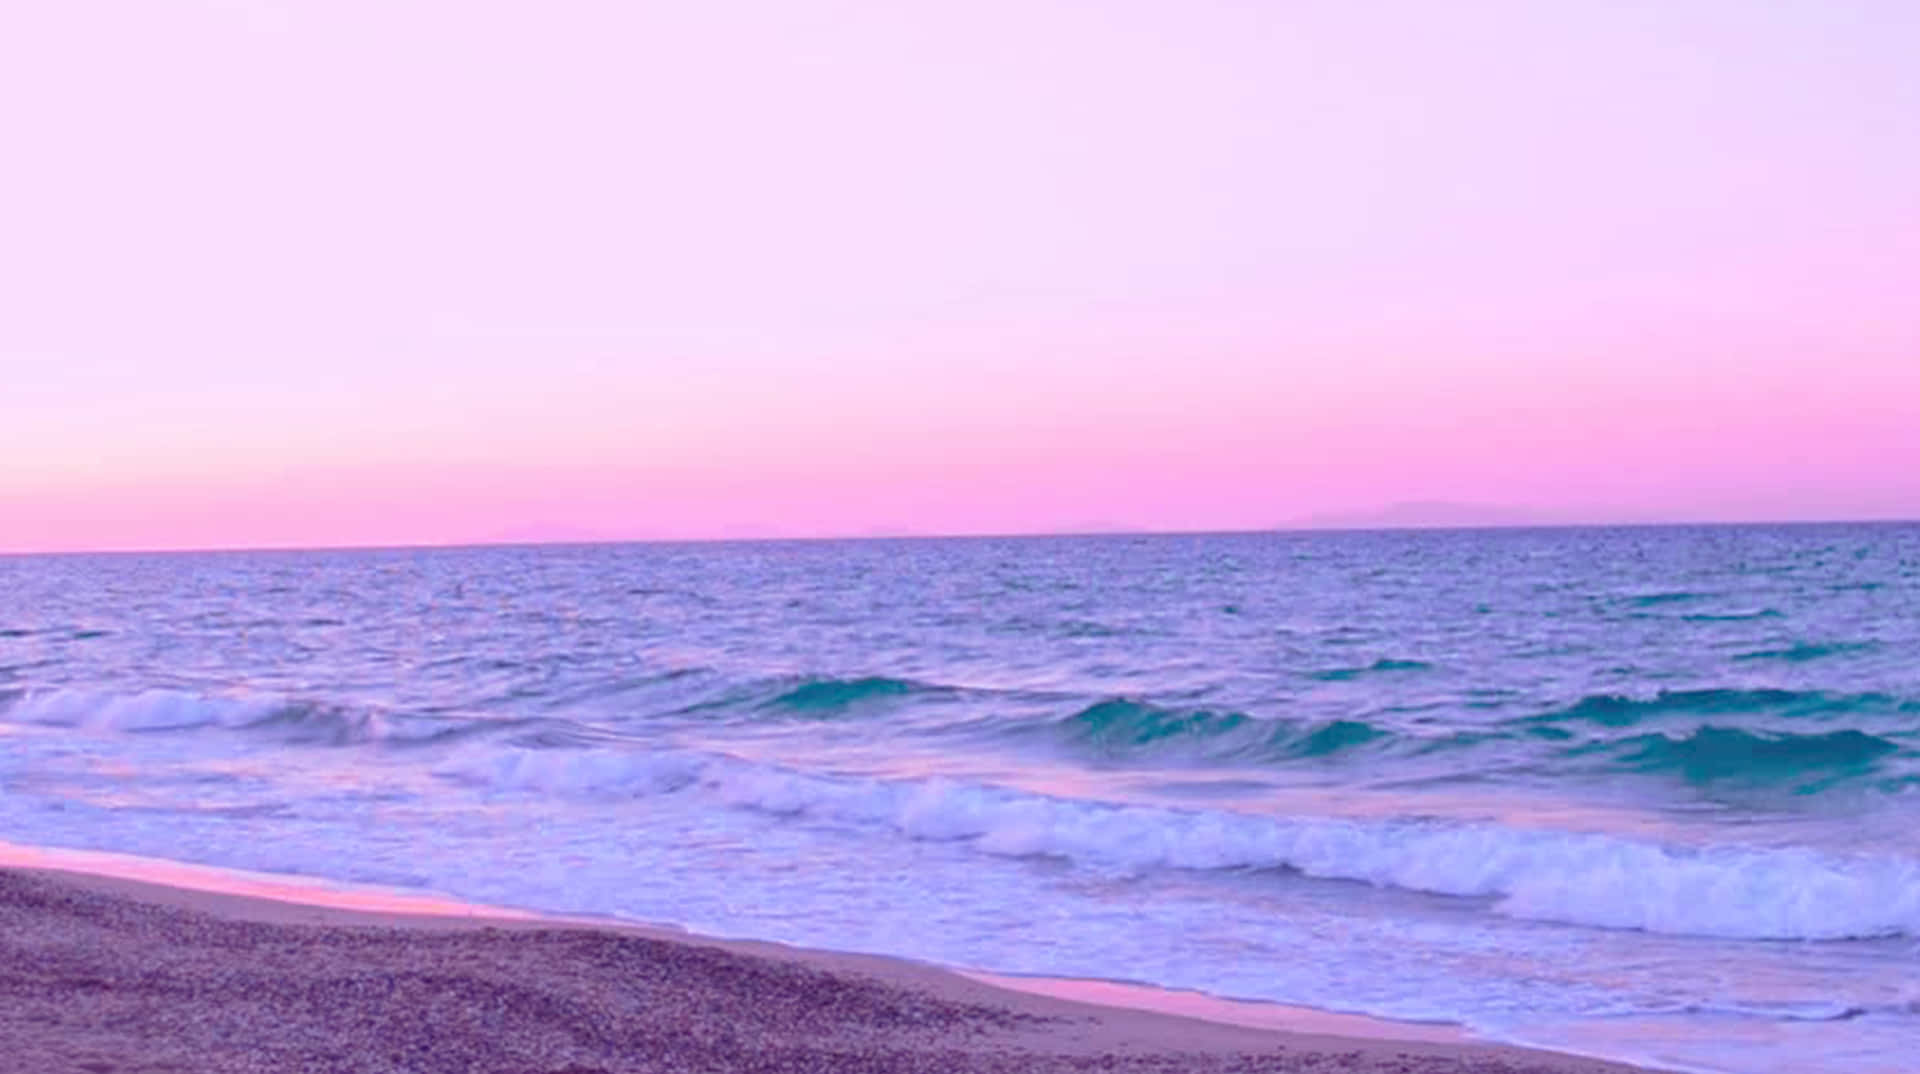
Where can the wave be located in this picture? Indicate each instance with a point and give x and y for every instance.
(1617, 710)
(1733, 617)
(1721, 753)
(1754, 736)
(1335, 736)
(705, 691)
(576, 772)
(822, 696)
(1803, 651)
(1685, 735)
(1118, 722)
(616, 708)
(1121, 727)
(1383, 665)
(1652, 600)
(148, 710)
(292, 720)
(1538, 874)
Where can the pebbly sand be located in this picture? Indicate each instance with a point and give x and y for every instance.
(103, 974)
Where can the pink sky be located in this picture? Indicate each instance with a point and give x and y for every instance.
(307, 272)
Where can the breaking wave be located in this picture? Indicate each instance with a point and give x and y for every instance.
(827, 696)
(1724, 753)
(1575, 878)
(1614, 710)
(1690, 735)
(311, 722)
(1118, 727)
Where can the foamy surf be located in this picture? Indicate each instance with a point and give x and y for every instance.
(1531, 872)
(1540, 874)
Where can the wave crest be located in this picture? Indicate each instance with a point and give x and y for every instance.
(1120, 723)
(1377, 667)
(301, 721)
(1540, 874)
(1724, 753)
(1121, 727)
(1617, 710)
(827, 696)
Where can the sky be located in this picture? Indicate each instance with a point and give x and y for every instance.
(339, 272)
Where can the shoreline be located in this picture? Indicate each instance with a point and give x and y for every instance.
(1043, 1023)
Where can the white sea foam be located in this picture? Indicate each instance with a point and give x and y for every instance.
(574, 772)
(178, 710)
(149, 710)
(1539, 874)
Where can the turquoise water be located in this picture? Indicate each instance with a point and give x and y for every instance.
(1649, 793)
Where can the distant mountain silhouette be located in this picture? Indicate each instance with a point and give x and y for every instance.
(1426, 514)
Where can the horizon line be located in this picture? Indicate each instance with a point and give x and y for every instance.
(1283, 528)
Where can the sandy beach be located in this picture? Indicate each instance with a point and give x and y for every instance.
(109, 975)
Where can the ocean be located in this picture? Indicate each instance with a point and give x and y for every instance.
(1645, 793)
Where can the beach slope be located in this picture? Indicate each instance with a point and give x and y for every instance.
(104, 975)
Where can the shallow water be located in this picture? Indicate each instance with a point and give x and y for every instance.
(1647, 793)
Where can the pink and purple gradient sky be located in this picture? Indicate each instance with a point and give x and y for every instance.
(309, 272)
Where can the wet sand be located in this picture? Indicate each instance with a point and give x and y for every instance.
(105, 974)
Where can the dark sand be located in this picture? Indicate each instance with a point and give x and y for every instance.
(106, 975)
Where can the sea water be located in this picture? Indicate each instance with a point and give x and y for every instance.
(1649, 793)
